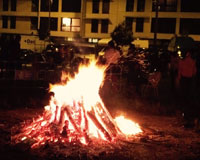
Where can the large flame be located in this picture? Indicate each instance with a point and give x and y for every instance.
(77, 113)
(85, 85)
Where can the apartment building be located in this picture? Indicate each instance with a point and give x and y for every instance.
(92, 20)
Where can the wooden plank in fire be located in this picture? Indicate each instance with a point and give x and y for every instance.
(66, 109)
(98, 125)
(111, 127)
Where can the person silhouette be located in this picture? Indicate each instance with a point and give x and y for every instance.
(186, 74)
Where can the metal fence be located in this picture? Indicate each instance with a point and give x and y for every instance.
(44, 72)
(22, 71)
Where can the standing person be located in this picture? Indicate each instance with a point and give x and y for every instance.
(131, 50)
(173, 67)
(186, 73)
(112, 55)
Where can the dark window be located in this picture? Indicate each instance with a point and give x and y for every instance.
(5, 22)
(106, 6)
(140, 5)
(54, 6)
(164, 25)
(129, 23)
(48, 5)
(44, 23)
(45, 5)
(12, 22)
(129, 5)
(53, 24)
(71, 6)
(190, 6)
(104, 26)
(13, 5)
(190, 26)
(95, 6)
(44, 28)
(5, 5)
(94, 28)
(165, 5)
(35, 4)
(34, 23)
(139, 24)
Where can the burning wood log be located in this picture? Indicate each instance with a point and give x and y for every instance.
(84, 116)
(66, 109)
(62, 117)
(107, 120)
(56, 112)
(99, 126)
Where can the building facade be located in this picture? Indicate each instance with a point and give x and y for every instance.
(92, 20)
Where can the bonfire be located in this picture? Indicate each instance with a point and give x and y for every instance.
(76, 113)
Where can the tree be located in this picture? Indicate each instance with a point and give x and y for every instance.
(122, 34)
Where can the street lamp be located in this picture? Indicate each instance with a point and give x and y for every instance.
(156, 3)
(49, 18)
(45, 25)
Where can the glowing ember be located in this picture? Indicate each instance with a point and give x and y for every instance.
(128, 127)
(76, 113)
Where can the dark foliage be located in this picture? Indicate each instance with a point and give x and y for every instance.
(122, 35)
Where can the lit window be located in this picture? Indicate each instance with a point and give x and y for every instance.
(70, 39)
(66, 21)
(71, 24)
(90, 40)
(95, 40)
(75, 25)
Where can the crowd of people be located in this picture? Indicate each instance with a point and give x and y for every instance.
(182, 71)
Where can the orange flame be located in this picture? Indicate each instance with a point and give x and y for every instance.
(77, 113)
(127, 126)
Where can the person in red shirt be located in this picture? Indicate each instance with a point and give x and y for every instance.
(187, 67)
(186, 73)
